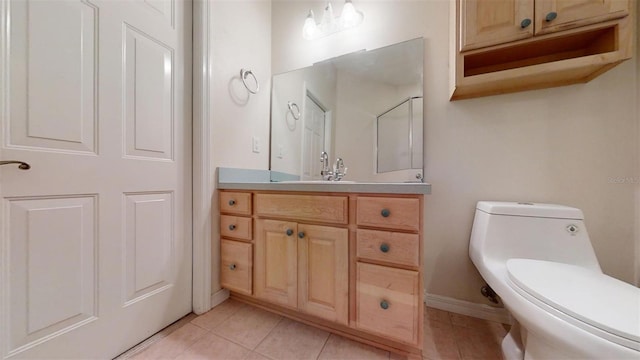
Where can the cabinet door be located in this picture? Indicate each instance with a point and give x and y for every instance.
(275, 262)
(323, 272)
(554, 15)
(485, 23)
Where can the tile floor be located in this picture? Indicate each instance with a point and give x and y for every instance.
(234, 330)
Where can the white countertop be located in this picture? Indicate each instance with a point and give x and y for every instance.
(334, 186)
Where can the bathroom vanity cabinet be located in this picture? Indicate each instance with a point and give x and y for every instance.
(349, 263)
(514, 45)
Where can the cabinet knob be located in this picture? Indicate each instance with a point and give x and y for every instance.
(551, 16)
(384, 248)
(289, 232)
(232, 267)
(384, 304)
(385, 212)
(232, 227)
(232, 202)
(525, 23)
(301, 234)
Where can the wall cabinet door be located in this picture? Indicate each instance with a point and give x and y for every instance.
(555, 15)
(323, 272)
(276, 268)
(485, 23)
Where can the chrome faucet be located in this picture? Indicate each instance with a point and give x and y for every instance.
(326, 172)
(339, 171)
(335, 174)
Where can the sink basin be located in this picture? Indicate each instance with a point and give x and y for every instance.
(318, 182)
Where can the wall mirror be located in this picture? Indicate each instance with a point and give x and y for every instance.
(364, 107)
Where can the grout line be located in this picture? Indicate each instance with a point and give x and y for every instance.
(324, 345)
(266, 336)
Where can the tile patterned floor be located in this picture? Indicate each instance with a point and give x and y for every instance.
(234, 330)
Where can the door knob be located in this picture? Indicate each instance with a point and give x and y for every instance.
(23, 165)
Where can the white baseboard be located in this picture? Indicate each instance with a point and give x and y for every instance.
(481, 311)
(219, 297)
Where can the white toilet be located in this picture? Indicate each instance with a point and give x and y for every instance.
(539, 260)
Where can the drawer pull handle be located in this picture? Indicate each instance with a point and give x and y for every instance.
(289, 232)
(384, 248)
(525, 23)
(301, 234)
(232, 202)
(385, 212)
(384, 304)
(232, 267)
(232, 227)
(551, 16)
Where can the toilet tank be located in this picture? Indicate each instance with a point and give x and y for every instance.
(505, 230)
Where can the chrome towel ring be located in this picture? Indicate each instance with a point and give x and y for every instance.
(296, 114)
(244, 74)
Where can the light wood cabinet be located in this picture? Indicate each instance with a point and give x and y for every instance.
(236, 263)
(304, 267)
(276, 262)
(388, 247)
(388, 298)
(558, 15)
(389, 302)
(323, 272)
(236, 251)
(486, 23)
(503, 46)
(330, 260)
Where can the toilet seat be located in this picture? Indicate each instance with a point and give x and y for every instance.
(590, 300)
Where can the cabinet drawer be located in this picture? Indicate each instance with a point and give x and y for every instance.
(392, 213)
(333, 209)
(236, 264)
(393, 247)
(235, 227)
(388, 302)
(235, 203)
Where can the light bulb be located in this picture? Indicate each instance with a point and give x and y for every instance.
(350, 17)
(310, 29)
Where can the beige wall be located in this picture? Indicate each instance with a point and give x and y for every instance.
(240, 38)
(638, 147)
(562, 145)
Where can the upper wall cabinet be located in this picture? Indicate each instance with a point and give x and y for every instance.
(503, 46)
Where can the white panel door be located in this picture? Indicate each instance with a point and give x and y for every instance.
(313, 140)
(95, 238)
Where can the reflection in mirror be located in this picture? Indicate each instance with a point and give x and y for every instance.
(345, 104)
(399, 145)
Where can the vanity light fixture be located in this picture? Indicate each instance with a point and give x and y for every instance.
(329, 23)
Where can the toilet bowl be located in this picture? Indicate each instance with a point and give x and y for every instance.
(538, 258)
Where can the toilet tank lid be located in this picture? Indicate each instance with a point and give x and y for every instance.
(530, 209)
